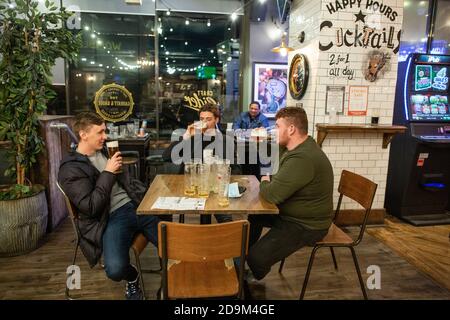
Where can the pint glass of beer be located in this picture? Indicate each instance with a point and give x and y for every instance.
(113, 147)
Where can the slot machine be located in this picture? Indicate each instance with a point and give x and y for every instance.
(417, 189)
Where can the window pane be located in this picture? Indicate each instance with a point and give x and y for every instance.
(116, 49)
(414, 35)
(199, 63)
(441, 37)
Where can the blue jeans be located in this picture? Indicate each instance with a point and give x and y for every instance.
(118, 237)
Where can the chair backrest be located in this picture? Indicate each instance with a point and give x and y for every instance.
(359, 189)
(203, 243)
(73, 213)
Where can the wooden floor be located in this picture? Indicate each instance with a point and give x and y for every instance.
(42, 273)
(427, 248)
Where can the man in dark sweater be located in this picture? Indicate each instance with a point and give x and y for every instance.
(106, 202)
(196, 140)
(302, 188)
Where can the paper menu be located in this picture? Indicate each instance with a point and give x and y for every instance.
(179, 203)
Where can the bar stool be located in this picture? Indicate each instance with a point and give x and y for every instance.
(154, 165)
(130, 160)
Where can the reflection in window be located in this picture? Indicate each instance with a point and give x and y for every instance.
(414, 35)
(441, 36)
(116, 49)
(198, 59)
(199, 63)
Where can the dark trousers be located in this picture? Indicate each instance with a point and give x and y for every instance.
(220, 217)
(122, 227)
(283, 239)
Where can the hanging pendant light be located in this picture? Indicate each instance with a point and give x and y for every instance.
(282, 49)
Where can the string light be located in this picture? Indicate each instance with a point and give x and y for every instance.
(208, 23)
(186, 22)
(168, 12)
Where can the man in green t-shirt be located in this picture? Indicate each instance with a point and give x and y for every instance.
(302, 189)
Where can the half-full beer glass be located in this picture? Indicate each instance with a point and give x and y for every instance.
(203, 180)
(223, 179)
(189, 178)
(113, 147)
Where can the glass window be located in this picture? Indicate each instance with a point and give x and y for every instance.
(441, 36)
(116, 49)
(414, 35)
(199, 63)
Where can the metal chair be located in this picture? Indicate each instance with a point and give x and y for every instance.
(197, 259)
(139, 242)
(361, 190)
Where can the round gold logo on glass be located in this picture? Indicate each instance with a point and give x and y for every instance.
(113, 102)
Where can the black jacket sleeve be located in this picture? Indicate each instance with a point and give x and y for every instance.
(90, 199)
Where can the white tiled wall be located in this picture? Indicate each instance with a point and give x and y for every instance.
(358, 152)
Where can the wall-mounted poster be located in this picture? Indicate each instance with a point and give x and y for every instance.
(335, 99)
(270, 87)
(358, 100)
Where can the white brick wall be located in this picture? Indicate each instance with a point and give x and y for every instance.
(358, 152)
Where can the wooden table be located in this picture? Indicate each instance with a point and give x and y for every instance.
(166, 185)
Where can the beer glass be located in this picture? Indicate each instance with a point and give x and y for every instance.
(130, 129)
(203, 180)
(200, 126)
(113, 147)
(223, 180)
(189, 178)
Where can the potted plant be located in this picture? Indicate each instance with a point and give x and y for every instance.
(30, 41)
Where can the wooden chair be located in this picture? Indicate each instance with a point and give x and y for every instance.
(197, 259)
(139, 242)
(361, 190)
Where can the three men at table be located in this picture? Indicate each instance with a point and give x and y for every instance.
(251, 119)
(302, 188)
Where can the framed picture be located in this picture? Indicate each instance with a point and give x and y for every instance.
(270, 86)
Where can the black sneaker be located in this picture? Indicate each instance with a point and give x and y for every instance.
(133, 291)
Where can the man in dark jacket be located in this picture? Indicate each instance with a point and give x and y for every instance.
(106, 202)
(196, 140)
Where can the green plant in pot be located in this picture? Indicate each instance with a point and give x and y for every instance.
(30, 41)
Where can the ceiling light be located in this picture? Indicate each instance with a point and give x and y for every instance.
(282, 49)
(233, 16)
